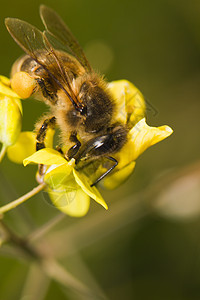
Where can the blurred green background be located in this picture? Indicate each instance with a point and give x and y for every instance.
(147, 245)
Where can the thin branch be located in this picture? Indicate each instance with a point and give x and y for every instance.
(22, 199)
(44, 229)
(21, 243)
(50, 266)
(55, 271)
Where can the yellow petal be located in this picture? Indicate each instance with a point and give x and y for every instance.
(19, 104)
(57, 176)
(117, 90)
(130, 102)
(10, 120)
(46, 156)
(73, 202)
(25, 146)
(5, 87)
(4, 80)
(116, 178)
(94, 169)
(64, 192)
(49, 138)
(84, 182)
(143, 136)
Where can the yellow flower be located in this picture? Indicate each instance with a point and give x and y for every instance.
(10, 115)
(131, 112)
(69, 185)
(140, 137)
(69, 190)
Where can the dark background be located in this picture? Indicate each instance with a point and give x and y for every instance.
(147, 245)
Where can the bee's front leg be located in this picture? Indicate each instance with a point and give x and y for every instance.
(47, 123)
(74, 149)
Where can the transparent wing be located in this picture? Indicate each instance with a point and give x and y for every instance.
(57, 28)
(35, 44)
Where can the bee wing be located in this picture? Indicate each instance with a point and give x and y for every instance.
(35, 44)
(56, 27)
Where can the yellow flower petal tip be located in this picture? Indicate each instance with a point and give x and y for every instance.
(142, 136)
(46, 156)
(167, 129)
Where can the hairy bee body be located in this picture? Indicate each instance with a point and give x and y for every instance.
(79, 100)
(90, 88)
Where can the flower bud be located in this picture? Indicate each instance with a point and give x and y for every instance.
(10, 119)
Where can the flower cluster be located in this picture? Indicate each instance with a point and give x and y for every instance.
(69, 185)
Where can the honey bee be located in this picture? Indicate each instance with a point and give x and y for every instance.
(56, 71)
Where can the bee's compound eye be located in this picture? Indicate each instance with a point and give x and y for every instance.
(23, 84)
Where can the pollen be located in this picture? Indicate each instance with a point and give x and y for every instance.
(23, 84)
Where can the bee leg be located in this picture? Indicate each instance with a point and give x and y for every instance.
(48, 123)
(74, 149)
(108, 171)
(59, 149)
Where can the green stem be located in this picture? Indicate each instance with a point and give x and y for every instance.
(22, 199)
(20, 242)
(2, 152)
